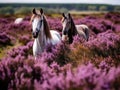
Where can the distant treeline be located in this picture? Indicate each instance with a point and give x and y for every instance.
(55, 8)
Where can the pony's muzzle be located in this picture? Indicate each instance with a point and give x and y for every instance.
(35, 34)
(65, 32)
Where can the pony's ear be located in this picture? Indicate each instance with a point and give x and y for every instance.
(63, 14)
(41, 11)
(33, 11)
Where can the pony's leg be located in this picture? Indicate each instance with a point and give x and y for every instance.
(34, 51)
(35, 58)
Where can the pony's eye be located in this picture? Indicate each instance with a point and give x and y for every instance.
(65, 17)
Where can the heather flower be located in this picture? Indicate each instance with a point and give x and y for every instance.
(83, 65)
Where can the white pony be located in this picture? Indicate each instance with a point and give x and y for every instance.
(70, 29)
(18, 20)
(43, 36)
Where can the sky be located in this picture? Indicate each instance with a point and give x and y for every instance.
(114, 2)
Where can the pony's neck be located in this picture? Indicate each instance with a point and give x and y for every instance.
(46, 29)
(42, 38)
(73, 27)
(72, 31)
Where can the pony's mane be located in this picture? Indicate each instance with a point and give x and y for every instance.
(46, 28)
(73, 28)
(73, 31)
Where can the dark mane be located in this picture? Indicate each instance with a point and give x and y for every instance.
(46, 28)
(73, 28)
(72, 32)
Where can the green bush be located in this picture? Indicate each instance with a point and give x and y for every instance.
(22, 10)
(6, 11)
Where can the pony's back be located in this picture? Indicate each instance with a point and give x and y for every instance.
(83, 30)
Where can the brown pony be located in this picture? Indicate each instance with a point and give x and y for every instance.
(70, 29)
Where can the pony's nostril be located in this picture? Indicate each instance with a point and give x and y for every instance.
(35, 34)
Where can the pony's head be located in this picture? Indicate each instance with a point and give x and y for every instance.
(66, 23)
(69, 28)
(37, 20)
(39, 23)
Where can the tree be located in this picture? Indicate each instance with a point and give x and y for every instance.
(117, 8)
(6, 11)
(92, 8)
(102, 8)
(23, 10)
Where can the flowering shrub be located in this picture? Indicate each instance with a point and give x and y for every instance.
(82, 65)
(55, 24)
(105, 44)
(24, 39)
(115, 17)
(4, 39)
(98, 25)
(21, 50)
(17, 74)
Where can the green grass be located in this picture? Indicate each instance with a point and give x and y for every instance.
(5, 49)
(87, 12)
